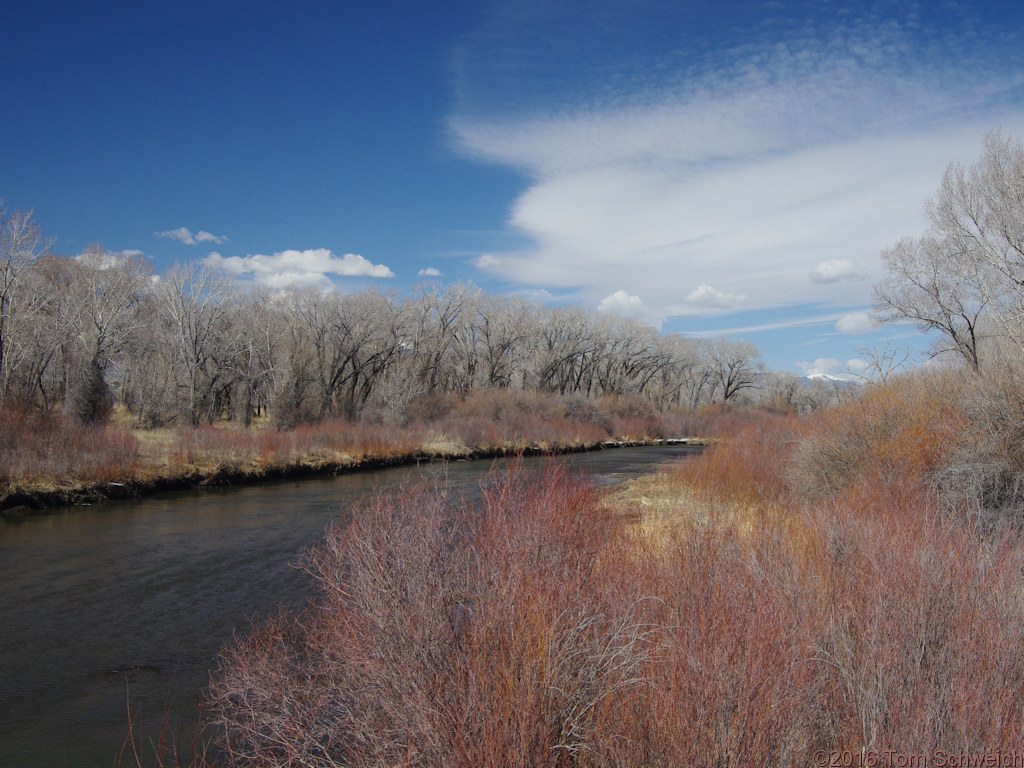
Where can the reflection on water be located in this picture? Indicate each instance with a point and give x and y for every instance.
(143, 594)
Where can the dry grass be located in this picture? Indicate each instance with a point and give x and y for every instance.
(40, 452)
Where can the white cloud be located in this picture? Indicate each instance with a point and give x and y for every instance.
(823, 365)
(298, 268)
(769, 180)
(834, 270)
(535, 294)
(706, 297)
(429, 272)
(486, 261)
(855, 322)
(185, 235)
(856, 365)
(620, 302)
(101, 259)
(624, 304)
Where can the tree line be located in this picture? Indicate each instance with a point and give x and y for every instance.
(90, 331)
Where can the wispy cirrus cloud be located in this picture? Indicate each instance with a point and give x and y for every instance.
(765, 177)
(186, 236)
(297, 268)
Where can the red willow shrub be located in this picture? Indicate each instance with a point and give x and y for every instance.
(534, 629)
(748, 464)
(448, 634)
(48, 448)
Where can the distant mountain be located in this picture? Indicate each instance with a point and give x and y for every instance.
(840, 379)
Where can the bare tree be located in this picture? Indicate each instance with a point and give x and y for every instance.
(936, 287)
(979, 211)
(261, 335)
(21, 244)
(969, 264)
(194, 303)
(505, 328)
(440, 334)
(735, 366)
(881, 364)
(105, 293)
(565, 350)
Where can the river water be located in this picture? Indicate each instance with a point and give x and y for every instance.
(136, 597)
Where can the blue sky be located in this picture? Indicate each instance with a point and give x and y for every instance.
(728, 167)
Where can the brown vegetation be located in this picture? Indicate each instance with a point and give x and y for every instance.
(46, 458)
(805, 585)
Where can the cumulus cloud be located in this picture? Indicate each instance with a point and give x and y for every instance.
(834, 270)
(855, 322)
(827, 366)
(620, 302)
(857, 365)
(429, 272)
(102, 259)
(706, 297)
(297, 268)
(185, 235)
(624, 304)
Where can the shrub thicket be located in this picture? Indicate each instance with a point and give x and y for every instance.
(537, 629)
(826, 590)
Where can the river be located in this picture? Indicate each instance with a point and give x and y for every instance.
(138, 596)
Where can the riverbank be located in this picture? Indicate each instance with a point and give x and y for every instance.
(90, 465)
(25, 501)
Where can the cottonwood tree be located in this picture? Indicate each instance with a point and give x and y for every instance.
(735, 366)
(105, 294)
(671, 385)
(936, 286)
(979, 211)
(38, 333)
(879, 365)
(633, 359)
(438, 333)
(368, 343)
(505, 327)
(194, 304)
(149, 386)
(564, 351)
(191, 346)
(21, 245)
(261, 335)
(967, 270)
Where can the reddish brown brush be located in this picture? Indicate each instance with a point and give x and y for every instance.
(46, 448)
(748, 464)
(534, 628)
